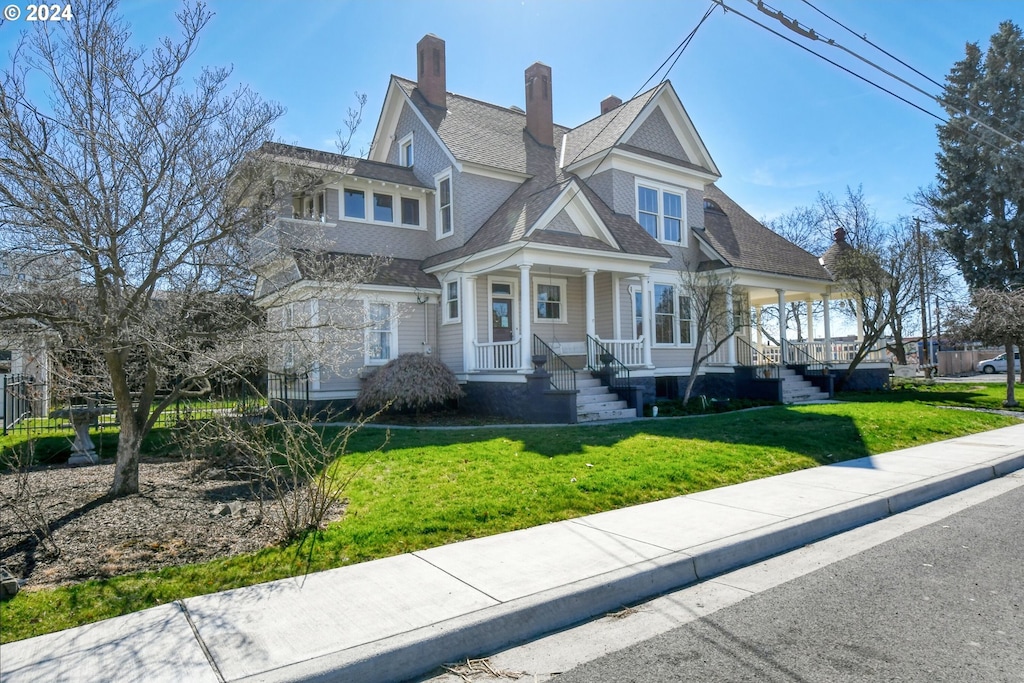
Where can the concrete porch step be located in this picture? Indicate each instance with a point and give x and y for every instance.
(619, 414)
(588, 399)
(613, 403)
(587, 382)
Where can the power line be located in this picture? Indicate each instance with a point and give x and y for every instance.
(808, 32)
(940, 100)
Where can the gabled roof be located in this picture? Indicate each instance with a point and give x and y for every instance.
(475, 131)
(598, 134)
(616, 127)
(515, 218)
(362, 168)
(740, 239)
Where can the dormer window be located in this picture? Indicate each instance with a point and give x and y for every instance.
(405, 151)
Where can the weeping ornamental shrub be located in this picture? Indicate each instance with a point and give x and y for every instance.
(413, 381)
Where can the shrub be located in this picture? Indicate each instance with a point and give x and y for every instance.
(413, 381)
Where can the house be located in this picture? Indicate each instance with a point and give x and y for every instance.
(518, 243)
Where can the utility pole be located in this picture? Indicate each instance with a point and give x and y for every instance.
(925, 355)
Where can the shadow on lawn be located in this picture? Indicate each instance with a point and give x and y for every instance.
(821, 437)
(981, 396)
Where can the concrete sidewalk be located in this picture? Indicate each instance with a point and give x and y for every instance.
(399, 617)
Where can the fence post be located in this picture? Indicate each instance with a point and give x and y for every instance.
(3, 397)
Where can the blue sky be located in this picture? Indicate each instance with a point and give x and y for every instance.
(781, 124)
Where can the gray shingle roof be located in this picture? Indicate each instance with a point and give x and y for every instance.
(531, 199)
(362, 168)
(598, 134)
(476, 131)
(369, 270)
(747, 244)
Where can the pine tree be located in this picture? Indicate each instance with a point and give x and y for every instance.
(979, 197)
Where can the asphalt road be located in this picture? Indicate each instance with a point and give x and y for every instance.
(942, 603)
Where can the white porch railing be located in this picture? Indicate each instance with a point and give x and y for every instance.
(497, 355)
(842, 352)
(721, 355)
(629, 352)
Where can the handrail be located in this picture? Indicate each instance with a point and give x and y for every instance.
(801, 357)
(601, 359)
(748, 355)
(563, 377)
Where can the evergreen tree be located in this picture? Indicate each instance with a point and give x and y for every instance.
(979, 197)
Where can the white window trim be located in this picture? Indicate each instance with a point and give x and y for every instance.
(438, 223)
(513, 314)
(633, 291)
(396, 207)
(392, 330)
(406, 143)
(661, 188)
(446, 320)
(563, 304)
(677, 289)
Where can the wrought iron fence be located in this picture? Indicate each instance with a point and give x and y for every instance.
(27, 406)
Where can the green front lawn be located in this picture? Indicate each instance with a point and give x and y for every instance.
(428, 488)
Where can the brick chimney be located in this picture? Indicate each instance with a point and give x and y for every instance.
(430, 70)
(609, 103)
(539, 121)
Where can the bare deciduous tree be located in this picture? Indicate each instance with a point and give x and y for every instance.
(714, 323)
(127, 193)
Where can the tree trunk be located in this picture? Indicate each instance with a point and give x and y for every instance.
(1011, 376)
(126, 471)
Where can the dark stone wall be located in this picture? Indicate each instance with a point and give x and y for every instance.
(533, 401)
(862, 379)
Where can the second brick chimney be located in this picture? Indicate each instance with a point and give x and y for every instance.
(539, 118)
(609, 103)
(430, 70)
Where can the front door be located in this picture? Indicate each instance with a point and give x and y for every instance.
(501, 319)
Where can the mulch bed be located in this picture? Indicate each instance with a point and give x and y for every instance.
(179, 517)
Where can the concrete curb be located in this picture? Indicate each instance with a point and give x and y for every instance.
(418, 652)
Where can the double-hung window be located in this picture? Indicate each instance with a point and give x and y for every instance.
(673, 316)
(405, 151)
(660, 211)
(379, 334)
(383, 208)
(549, 296)
(444, 205)
(451, 301)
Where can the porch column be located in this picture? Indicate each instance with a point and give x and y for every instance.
(469, 322)
(591, 321)
(731, 317)
(525, 316)
(782, 325)
(647, 299)
(757, 326)
(810, 319)
(828, 328)
(860, 322)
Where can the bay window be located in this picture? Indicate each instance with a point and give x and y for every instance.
(673, 316)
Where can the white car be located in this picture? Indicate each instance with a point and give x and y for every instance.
(998, 364)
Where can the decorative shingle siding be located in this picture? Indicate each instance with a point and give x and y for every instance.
(655, 134)
(562, 223)
(695, 209)
(352, 237)
(475, 198)
(617, 189)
